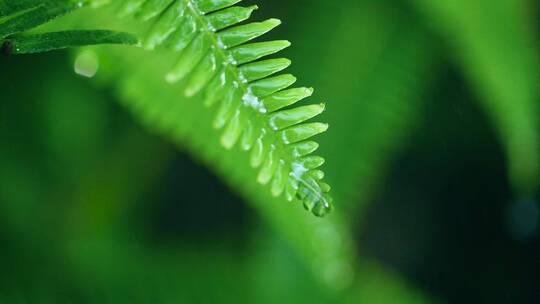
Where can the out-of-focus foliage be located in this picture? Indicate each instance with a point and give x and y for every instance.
(94, 209)
(496, 43)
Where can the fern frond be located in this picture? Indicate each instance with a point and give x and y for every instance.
(254, 108)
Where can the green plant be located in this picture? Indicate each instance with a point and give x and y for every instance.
(255, 108)
(369, 57)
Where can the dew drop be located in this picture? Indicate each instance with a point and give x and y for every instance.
(253, 101)
(298, 170)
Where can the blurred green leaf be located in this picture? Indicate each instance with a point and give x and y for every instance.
(496, 45)
(8, 7)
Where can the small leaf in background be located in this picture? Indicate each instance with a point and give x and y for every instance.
(38, 43)
(31, 14)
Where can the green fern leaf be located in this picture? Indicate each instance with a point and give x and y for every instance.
(254, 108)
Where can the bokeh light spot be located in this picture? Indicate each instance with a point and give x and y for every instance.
(86, 64)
